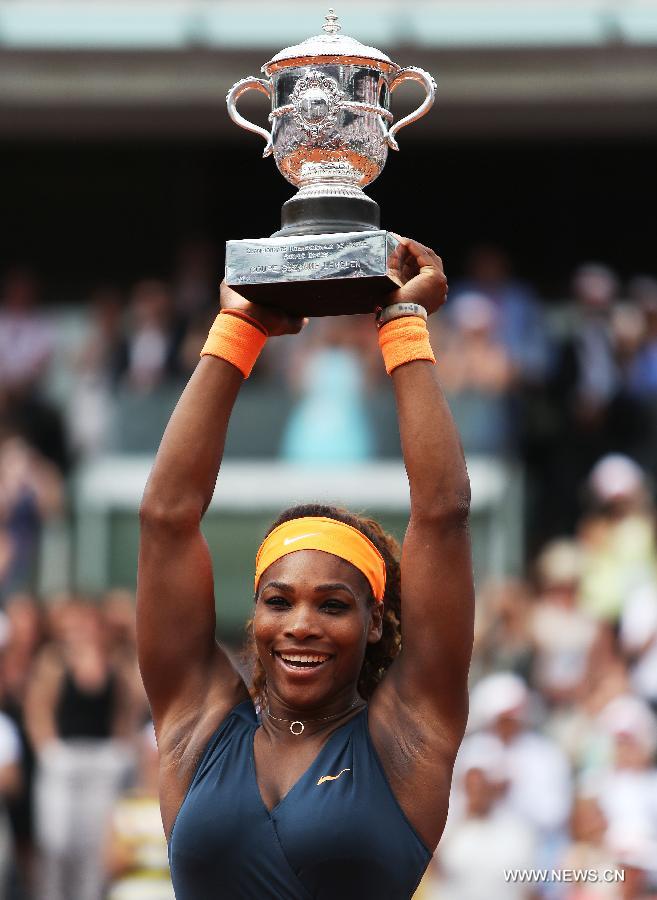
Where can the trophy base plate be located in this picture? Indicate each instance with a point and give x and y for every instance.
(314, 275)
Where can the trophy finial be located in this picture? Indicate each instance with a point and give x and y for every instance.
(332, 23)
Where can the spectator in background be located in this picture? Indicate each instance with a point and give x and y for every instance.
(643, 377)
(26, 348)
(519, 324)
(584, 385)
(96, 368)
(26, 337)
(574, 727)
(617, 537)
(539, 782)
(487, 838)
(477, 375)
(503, 640)
(195, 283)
(626, 785)
(80, 718)
(136, 849)
(629, 413)
(588, 851)
(31, 490)
(120, 626)
(330, 422)
(642, 372)
(150, 349)
(638, 639)
(562, 634)
(24, 639)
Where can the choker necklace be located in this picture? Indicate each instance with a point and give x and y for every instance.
(300, 726)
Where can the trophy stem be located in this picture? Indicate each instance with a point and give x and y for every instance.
(327, 213)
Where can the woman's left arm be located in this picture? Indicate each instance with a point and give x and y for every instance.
(430, 675)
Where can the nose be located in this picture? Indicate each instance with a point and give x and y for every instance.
(302, 624)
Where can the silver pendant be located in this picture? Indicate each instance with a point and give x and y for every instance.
(301, 728)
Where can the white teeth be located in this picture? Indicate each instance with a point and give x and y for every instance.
(303, 658)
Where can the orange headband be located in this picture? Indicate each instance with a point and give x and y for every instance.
(320, 533)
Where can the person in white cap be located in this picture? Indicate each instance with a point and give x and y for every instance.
(627, 788)
(539, 783)
(496, 837)
(562, 633)
(617, 537)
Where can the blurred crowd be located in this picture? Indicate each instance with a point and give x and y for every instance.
(79, 814)
(557, 770)
(558, 767)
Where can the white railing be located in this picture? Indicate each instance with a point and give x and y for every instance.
(116, 484)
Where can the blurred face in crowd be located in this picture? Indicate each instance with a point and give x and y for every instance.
(77, 623)
(25, 620)
(107, 308)
(595, 288)
(562, 593)
(151, 304)
(480, 792)
(118, 614)
(508, 724)
(628, 330)
(588, 823)
(630, 752)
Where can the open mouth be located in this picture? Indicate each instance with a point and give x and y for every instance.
(303, 660)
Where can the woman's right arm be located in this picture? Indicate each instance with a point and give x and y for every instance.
(188, 678)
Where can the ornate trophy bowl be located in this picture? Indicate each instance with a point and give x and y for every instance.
(331, 128)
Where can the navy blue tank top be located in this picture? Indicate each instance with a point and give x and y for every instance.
(341, 837)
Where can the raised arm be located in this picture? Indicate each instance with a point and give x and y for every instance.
(430, 675)
(187, 676)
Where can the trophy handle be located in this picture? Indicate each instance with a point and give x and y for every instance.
(411, 73)
(247, 84)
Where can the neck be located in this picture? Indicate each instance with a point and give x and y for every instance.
(277, 715)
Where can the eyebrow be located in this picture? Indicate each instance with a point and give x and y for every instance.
(334, 586)
(279, 585)
(321, 588)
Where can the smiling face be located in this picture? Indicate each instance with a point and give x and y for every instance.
(313, 621)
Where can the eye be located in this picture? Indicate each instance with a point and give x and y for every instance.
(277, 602)
(335, 606)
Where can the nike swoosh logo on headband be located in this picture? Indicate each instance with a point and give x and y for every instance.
(299, 537)
(332, 777)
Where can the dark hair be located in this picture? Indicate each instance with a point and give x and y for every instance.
(378, 656)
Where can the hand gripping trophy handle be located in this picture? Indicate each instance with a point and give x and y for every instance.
(241, 87)
(411, 73)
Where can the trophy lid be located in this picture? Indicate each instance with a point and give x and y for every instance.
(330, 47)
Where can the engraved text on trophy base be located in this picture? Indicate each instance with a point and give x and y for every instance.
(354, 255)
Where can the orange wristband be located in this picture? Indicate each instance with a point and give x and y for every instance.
(404, 340)
(237, 338)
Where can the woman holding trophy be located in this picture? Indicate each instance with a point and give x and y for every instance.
(335, 781)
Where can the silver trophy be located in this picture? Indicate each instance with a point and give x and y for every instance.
(331, 128)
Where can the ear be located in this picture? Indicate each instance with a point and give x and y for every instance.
(375, 629)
